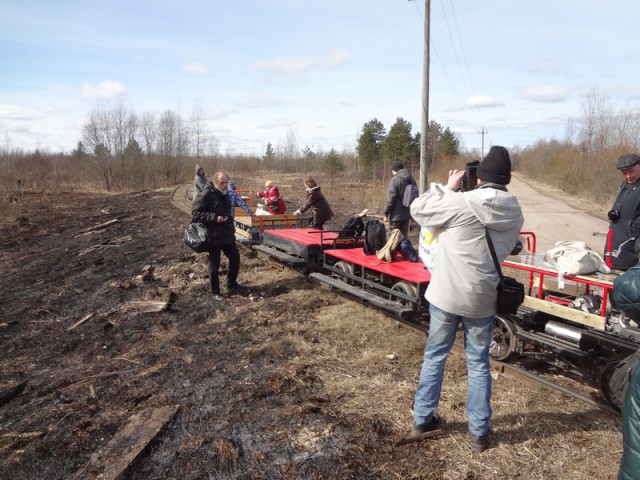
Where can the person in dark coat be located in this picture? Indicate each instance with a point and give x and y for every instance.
(395, 212)
(630, 463)
(317, 203)
(211, 207)
(625, 214)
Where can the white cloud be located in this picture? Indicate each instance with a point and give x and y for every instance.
(545, 93)
(262, 101)
(15, 112)
(301, 65)
(218, 112)
(545, 66)
(483, 101)
(276, 123)
(195, 68)
(105, 90)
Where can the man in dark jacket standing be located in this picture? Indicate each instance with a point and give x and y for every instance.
(625, 214)
(395, 212)
(211, 207)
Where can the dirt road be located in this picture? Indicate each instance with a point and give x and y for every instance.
(553, 220)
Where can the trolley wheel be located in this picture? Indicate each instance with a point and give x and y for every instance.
(406, 289)
(503, 339)
(345, 267)
(605, 377)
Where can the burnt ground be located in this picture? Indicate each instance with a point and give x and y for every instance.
(122, 364)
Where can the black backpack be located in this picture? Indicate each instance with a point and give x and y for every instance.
(375, 237)
(353, 228)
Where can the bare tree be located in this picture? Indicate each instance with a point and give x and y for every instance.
(149, 132)
(198, 128)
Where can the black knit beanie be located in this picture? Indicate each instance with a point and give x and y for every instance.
(397, 166)
(496, 166)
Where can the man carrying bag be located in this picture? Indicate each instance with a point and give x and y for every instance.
(211, 208)
(463, 285)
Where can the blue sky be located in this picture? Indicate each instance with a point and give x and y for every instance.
(266, 70)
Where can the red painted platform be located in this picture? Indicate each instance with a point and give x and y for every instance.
(399, 268)
(304, 236)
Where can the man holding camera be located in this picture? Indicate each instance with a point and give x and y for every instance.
(211, 207)
(463, 284)
(625, 215)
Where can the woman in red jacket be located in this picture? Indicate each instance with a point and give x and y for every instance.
(275, 203)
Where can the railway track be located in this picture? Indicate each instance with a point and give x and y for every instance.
(523, 375)
(181, 199)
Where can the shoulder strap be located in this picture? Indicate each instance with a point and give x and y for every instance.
(493, 252)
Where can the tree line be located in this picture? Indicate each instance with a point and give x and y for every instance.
(123, 151)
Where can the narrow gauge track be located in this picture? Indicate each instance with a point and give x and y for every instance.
(180, 199)
(524, 375)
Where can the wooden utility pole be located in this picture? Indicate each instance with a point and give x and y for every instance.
(482, 132)
(424, 135)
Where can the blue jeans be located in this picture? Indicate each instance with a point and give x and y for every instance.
(477, 338)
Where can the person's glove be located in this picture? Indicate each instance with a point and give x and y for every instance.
(297, 212)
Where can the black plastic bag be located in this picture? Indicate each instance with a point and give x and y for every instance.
(196, 237)
(510, 296)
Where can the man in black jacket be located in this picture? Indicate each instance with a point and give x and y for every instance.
(625, 214)
(211, 207)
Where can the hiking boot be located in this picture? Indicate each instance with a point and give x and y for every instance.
(479, 444)
(418, 430)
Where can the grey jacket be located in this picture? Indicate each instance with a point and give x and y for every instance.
(199, 181)
(393, 207)
(464, 278)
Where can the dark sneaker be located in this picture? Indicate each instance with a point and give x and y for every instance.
(418, 430)
(479, 444)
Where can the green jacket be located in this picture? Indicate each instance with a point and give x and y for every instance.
(630, 463)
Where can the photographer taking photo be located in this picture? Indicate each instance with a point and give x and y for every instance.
(624, 216)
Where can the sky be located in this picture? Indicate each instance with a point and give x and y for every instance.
(314, 72)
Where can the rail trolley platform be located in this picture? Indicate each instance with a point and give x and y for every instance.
(250, 228)
(543, 281)
(396, 287)
(303, 247)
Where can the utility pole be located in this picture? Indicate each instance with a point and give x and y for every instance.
(483, 131)
(424, 134)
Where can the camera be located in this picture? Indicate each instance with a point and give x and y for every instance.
(614, 215)
(470, 179)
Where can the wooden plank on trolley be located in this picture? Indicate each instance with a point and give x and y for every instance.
(568, 313)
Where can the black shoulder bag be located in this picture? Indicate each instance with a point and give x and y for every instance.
(510, 291)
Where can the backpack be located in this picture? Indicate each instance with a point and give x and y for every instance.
(410, 193)
(375, 237)
(407, 251)
(353, 228)
(621, 377)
